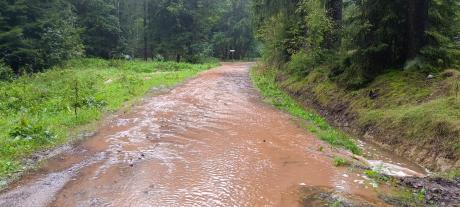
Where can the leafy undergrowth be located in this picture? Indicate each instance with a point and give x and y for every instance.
(399, 107)
(37, 112)
(264, 79)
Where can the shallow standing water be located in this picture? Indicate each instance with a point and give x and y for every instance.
(209, 142)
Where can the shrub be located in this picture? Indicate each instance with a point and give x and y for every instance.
(302, 63)
(339, 162)
(6, 73)
(376, 176)
(27, 131)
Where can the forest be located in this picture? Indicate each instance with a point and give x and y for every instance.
(359, 40)
(185, 83)
(37, 35)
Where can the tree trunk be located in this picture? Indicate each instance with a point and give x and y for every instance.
(334, 9)
(417, 24)
(145, 29)
(178, 58)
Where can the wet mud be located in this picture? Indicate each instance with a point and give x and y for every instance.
(208, 142)
(438, 191)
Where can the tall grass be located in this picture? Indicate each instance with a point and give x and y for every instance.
(38, 111)
(265, 82)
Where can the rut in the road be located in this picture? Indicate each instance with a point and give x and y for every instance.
(209, 142)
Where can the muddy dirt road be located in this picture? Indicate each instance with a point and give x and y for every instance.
(209, 142)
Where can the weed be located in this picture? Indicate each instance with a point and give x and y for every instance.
(38, 111)
(26, 131)
(406, 197)
(377, 176)
(264, 80)
(340, 162)
(451, 174)
(336, 204)
(400, 108)
(6, 73)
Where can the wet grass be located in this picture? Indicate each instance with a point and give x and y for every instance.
(40, 111)
(264, 80)
(406, 197)
(340, 162)
(407, 109)
(451, 175)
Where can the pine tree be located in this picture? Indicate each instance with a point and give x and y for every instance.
(35, 35)
(102, 31)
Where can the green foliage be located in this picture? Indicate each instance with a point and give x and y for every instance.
(6, 73)
(102, 32)
(406, 197)
(340, 162)
(302, 63)
(196, 29)
(35, 35)
(408, 109)
(265, 81)
(375, 36)
(378, 39)
(451, 174)
(444, 26)
(376, 176)
(37, 111)
(318, 23)
(26, 131)
(234, 31)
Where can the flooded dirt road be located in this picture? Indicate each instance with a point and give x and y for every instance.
(209, 142)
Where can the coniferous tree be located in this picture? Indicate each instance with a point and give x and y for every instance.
(35, 35)
(102, 31)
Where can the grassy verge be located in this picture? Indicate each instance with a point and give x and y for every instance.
(415, 115)
(264, 79)
(37, 112)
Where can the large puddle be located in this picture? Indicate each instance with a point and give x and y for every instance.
(209, 142)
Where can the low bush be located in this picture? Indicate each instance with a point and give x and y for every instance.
(6, 73)
(340, 162)
(302, 63)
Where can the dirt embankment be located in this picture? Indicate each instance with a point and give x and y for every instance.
(414, 116)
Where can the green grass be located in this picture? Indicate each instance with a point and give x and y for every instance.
(265, 82)
(377, 176)
(410, 110)
(340, 162)
(451, 174)
(406, 197)
(37, 111)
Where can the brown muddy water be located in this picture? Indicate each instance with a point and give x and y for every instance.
(209, 142)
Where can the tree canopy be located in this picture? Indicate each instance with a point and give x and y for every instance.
(35, 35)
(359, 40)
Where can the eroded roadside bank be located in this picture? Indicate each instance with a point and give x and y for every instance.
(387, 165)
